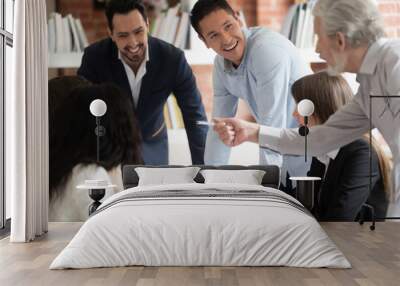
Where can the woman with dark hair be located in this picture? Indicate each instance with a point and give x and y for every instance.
(61, 87)
(345, 172)
(73, 151)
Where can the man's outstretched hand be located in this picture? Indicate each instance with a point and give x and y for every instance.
(233, 131)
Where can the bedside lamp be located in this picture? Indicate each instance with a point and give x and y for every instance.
(305, 108)
(98, 108)
(97, 188)
(305, 185)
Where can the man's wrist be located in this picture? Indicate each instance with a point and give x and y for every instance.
(270, 137)
(254, 132)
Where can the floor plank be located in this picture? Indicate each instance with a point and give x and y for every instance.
(374, 255)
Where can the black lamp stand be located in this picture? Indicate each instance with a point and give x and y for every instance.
(97, 194)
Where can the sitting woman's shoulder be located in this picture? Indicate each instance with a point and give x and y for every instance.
(360, 143)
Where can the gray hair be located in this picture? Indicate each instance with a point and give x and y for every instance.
(359, 20)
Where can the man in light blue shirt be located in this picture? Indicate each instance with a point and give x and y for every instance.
(257, 65)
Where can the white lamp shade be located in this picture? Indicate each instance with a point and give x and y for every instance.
(98, 107)
(305, 107)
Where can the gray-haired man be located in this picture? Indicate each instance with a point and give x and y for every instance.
(350, 39)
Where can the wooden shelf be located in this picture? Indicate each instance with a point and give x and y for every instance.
(65, 60)
(73, 60)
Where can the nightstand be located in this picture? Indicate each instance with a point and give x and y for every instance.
(97, 190)
(305, 190)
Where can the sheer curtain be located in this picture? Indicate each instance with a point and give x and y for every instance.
(27, 124)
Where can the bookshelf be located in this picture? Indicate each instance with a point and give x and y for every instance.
(197, 54)
(298, 27)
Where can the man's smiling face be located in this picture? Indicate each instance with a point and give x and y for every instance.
(129, 32)
(222, 32)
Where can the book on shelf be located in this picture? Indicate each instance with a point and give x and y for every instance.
(298, 25)
(172, 114)
(287, 23)
(172, 111)
(182, 31)
(82, 35)
(65, 34)
(67, 47)
(168, 24)
(155, 28)
(172, 29)
(167, 118)
(76, 46)
(307, 28)
(59, 38)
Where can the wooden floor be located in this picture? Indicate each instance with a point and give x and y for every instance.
(374, 255)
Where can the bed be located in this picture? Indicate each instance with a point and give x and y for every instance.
(201, 224)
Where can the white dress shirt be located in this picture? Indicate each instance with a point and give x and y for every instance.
(135, 81)
(379, 75)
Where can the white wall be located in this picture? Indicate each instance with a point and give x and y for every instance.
(179, 153)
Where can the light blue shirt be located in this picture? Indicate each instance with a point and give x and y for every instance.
(270, 65)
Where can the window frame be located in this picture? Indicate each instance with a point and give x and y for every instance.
(6, 39)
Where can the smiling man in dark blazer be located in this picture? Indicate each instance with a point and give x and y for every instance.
(148, 70)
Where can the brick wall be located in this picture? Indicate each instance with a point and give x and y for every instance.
(269, 13)
(94, 21)
(249, 8)
(391, 14)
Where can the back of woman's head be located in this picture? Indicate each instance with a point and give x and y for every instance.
(328, 93)
(61, 87)
(74, 140)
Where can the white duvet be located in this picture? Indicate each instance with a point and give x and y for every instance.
(207, 230)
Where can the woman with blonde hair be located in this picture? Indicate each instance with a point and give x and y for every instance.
(345, 172)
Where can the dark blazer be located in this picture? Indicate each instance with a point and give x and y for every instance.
(167, 71)
(345, 187)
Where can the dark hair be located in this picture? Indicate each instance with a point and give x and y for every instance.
(328, 93)
(60, 88)
(123, 7)
(72, 136)
(202, 8)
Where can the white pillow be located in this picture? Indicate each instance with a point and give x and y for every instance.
(163, 176)
(248, 177)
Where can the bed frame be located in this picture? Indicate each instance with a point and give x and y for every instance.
(270, 179)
